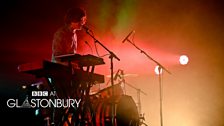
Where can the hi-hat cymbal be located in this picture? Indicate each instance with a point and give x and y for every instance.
(125, 75)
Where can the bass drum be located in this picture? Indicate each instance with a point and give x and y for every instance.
(126, 113)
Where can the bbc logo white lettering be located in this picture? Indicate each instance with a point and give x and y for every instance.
(39, 93)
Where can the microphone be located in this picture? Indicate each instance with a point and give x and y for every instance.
(85, 27)
(127, 36)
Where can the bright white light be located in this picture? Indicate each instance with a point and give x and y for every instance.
(158, 70)
(183, 60)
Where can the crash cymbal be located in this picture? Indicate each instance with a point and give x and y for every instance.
(125, 75)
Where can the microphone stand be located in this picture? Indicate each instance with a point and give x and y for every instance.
(149, 57)
(112, 55)
(160, 82)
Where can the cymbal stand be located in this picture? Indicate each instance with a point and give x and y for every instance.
(160, 82)
(112, 55)
(139, 91)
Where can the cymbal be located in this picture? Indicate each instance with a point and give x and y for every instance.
(125, 75)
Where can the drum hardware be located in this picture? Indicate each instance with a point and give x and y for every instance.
(139, 91)
(119, 79)
(142, 119)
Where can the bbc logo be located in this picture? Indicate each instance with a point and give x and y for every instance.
(39, 93)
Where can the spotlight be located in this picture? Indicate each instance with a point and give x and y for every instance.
(183, 59)
(158, 70)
